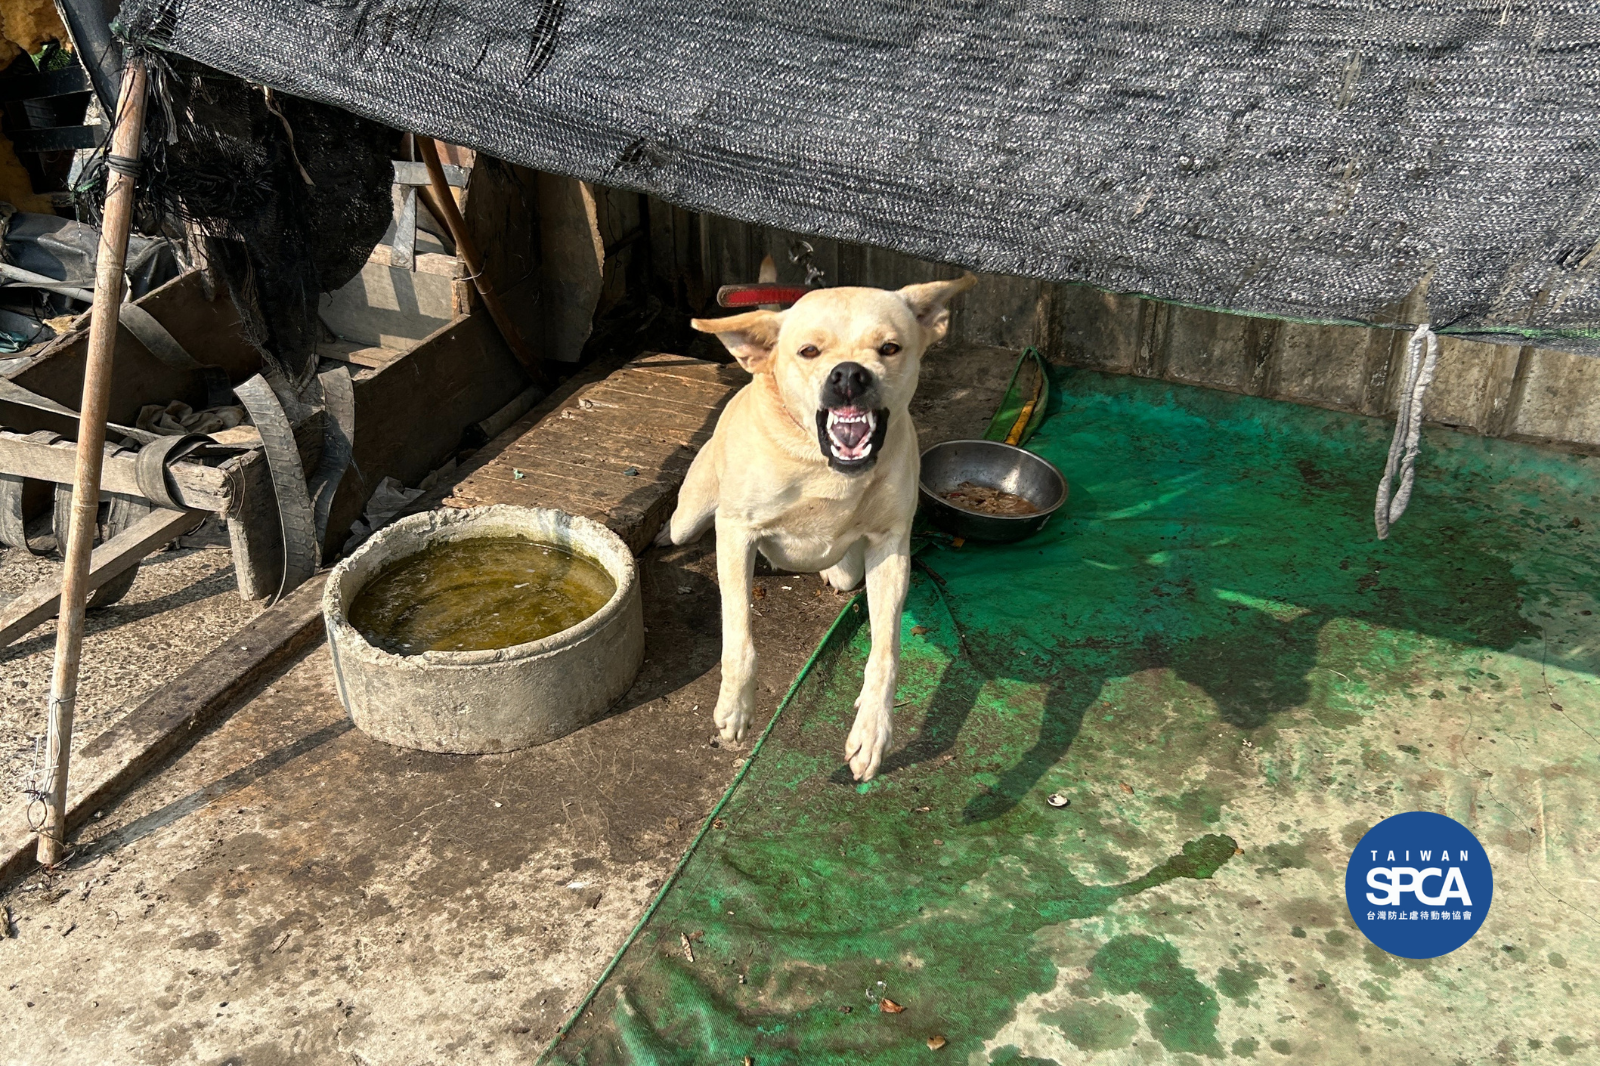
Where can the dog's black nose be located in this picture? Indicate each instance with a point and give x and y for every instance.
(849, 380)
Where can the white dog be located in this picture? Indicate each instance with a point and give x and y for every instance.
(814, 464)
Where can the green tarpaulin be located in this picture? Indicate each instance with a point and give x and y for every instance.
(1212, 659)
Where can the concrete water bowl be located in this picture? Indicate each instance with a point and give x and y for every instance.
(470, 702)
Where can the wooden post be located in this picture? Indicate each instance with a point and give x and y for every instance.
(468, 251)
(126, 132)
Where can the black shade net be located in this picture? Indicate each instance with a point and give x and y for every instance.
(1320, 159)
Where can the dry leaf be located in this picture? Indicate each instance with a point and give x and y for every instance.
(688, 952)
(936, 1041)
(889, 1006)
(718, 823)
(760, 592)
(922, 810)
(748, 1061)
(917, 631)
(1125, 787)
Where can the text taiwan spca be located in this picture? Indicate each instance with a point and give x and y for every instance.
(1393, 882)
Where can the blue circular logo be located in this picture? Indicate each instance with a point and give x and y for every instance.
(1419, 885)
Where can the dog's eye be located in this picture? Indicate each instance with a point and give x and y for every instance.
(888, 348)
(810, 351)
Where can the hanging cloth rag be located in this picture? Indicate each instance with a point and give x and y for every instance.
(1422, 359)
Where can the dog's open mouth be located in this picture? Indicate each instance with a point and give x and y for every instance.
(851, 437)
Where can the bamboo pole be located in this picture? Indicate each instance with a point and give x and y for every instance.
(112, 257)
(468, 251)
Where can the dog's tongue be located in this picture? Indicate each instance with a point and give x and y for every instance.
(850, 434)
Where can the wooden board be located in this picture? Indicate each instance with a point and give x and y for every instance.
(650, 417)
(390, 307)
(501, 212)
(198, 487)
(114, 557)
(423, 263)
(254, 529)
(572, 265)
(410, 414)
(359, 356)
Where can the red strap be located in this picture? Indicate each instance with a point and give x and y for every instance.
(756, 295)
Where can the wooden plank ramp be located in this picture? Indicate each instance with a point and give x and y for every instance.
(614, 450)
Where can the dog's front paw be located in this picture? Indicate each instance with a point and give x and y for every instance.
(664, 537)
(733, 721)
(864, 748)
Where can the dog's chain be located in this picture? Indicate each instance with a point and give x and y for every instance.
(36, 785)
(800, 253)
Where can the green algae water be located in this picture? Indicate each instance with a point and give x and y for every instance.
(478, 594)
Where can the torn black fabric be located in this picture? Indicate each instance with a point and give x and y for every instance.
(289, 194)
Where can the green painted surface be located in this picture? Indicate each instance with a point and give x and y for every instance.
(1231, 679)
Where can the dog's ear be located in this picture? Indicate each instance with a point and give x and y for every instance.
(750, 336)
(930, 303)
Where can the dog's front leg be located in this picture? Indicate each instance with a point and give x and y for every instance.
(736, 564)
(888, 575)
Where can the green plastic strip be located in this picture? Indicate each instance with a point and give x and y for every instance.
(1021, 412)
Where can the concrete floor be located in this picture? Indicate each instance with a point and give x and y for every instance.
(289, 890)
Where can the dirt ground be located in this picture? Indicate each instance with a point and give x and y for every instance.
(290, 891)
(293, 891)
(183, 604)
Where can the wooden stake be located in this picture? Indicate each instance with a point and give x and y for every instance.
(468, 251)
(125, 135)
